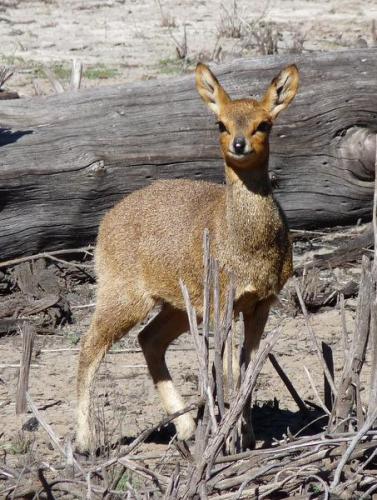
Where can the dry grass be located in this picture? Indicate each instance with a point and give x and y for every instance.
(5, 74)
(261, 36)
(167, 20)
(258, 35)
(230, 24)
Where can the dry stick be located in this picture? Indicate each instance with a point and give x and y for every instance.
(359, 340)
(19, 260)
(52, 435)
(231, 417)
(242, 480)
(355, 478)
(5, 74)
(329, 360)
(276, 485)
(260, 491)
(89, 489)
(68, 263)
(288, 384)
(143, 471)
(344, 327)
(311, 381)
(114, 484)
(237, 474)
(374, 220)
(204, 423)
(76, 75)
(118, 351)
(45, 485)
(34, 365)
(314, 339)
(84, 306)
(373, 325)
(229, 364)
(203, 371)
(369, 492)
(356, 354)
(231, 443)
(284, 450)
(172, 488)
(203, 374)
(282, 463)
(37, 88)
(28, 334)
(206, 295)
(58, 87)
(218, 340)
(228, 320)
(373, 338)
(227, 356)
(365, 428)
(195, 335)
(237, 431)
(227, 341)
(359, 405)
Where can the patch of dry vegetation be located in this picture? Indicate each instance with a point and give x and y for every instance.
(332, 450)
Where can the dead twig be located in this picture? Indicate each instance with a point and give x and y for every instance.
(312, 384)
(76, 75)
(51, 433)
(314, 340)
(356, 439)
(58, 87)
(13, 262)
(28, 333)
(5, 75)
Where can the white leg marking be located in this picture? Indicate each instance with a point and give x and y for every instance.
(173, 402)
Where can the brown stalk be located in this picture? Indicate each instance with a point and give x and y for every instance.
(231, 417)
(314, 340)
(19, 260)
(28, 333)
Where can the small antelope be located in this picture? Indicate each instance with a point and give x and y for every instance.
(153, 237)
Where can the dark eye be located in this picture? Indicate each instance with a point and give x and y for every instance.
(222, 127)
(264, 127)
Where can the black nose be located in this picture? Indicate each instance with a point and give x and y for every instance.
(239, 144)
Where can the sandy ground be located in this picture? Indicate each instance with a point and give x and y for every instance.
(121, 41)
(125, 399)
(126, 40)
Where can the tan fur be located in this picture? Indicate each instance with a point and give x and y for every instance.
(153, 238)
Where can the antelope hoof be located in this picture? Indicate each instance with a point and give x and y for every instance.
(83, 443)
(185, 426)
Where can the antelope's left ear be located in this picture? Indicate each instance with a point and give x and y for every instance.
(282, 90)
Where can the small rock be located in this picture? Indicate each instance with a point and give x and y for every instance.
(31, 425)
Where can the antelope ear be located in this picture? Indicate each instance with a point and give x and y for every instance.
(282, 90)
(210, 89)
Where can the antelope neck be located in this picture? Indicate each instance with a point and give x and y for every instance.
(250, 206)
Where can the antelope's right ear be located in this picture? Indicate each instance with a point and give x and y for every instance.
(210, 89)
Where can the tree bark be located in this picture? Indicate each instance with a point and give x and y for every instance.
(66, 159)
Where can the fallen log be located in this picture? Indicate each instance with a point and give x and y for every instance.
(343, 254)
(66, 159)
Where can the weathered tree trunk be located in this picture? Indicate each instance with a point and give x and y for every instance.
(66, 159)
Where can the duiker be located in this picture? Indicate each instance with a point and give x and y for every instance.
(153, 237)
